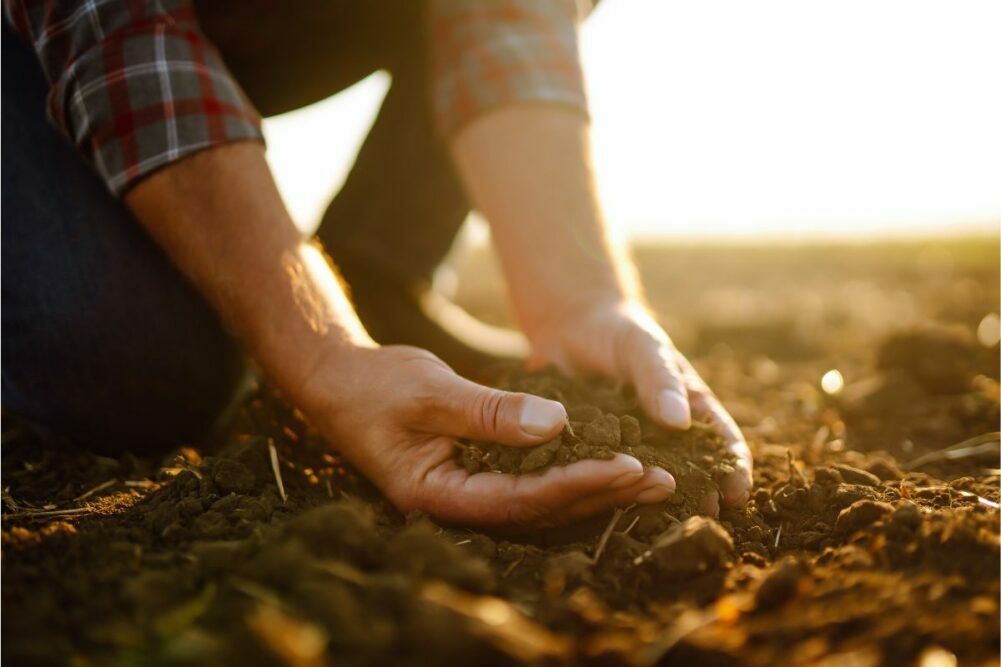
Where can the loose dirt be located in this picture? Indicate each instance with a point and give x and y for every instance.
(605, 419)
(871, 537)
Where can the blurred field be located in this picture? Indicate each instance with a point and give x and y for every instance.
(822, 292)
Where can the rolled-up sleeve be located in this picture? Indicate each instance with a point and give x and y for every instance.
(134, 85)
(492, 53)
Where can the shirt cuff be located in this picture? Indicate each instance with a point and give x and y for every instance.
(493, 53)
(142, 99)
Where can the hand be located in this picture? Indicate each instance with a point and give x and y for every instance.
(623, 341)
(396, 411)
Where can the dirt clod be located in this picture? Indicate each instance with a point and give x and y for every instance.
(232, 477)
(697, 545)
(860, 514)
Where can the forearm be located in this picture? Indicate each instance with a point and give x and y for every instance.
(528, 170)
(219, 217)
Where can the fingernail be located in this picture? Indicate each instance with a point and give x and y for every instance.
(654, 494)
(736, 488)
(659, 476)
(673, 409)
(541, 417)
(625, 479)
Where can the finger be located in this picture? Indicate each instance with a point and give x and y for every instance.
(488, 499)
(464, 409)
(709, 506)
(652, 367)
(735, 486)
(656, 485)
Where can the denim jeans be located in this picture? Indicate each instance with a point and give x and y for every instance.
(103, 340)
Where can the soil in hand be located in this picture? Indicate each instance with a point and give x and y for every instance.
(604, 419)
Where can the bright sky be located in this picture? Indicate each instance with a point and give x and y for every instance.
(781, 119)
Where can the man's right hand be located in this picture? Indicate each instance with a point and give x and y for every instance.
(395, 412)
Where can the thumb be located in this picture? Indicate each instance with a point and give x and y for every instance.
(464, 409)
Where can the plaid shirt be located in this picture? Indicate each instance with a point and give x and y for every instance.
(136, 84)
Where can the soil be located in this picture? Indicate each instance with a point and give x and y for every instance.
(871, 538)
(605, 419)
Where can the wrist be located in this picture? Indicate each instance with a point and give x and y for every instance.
(580, 308)
(315, 386)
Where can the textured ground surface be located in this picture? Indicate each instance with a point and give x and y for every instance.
(871, 537)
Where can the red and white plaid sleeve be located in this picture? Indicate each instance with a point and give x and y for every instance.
(492, 53)
(135, 84)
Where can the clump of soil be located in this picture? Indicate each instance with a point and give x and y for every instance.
(605, 419)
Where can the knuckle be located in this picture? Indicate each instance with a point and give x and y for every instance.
(484, 410)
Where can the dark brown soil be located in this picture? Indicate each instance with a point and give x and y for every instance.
(870, 538)
(605, 419)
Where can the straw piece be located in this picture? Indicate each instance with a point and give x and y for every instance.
(277, 470)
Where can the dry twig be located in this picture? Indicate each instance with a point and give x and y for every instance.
(636, 520)
(986, 502)
(40, 513)
(605, 535)
(794, 471)
(100, 487)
